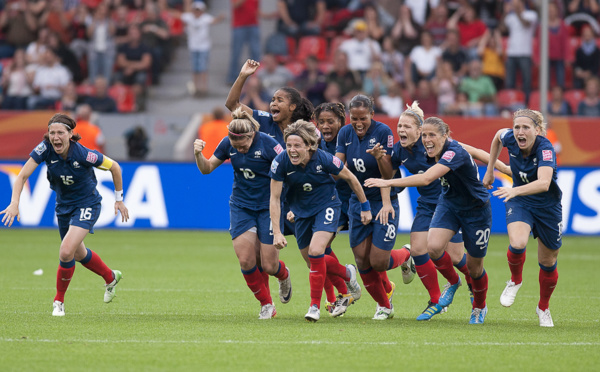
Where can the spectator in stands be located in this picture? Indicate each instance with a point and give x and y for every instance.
(492, 57)
(91, 134)
(49, 82)
(197, 25)
(436, 24)
(121, 25)
(66, 56)
(558, 43)
(245, 30)
(133, 61)
(273, 75)
(333, 93)
(19, 26)
(155, 35)
(587, 59)
(100, 101)
(301, 17)
(136, 140)
(348, 82)
(391, 103)
(424, 94)
(375, 29)
(520, 24)
(558, 106)
(423, 59)
(254, 95)
(454, 53)
(480, 88)
(36, 49)
(213, 131)
(102, 48)
(70, 99)
(311, 82)
(590, 105)
(79, 38)
(418, 9)
(461, 107)
(377, 81)
(405, 31)
(469, 27)
(444, 85)
(360, 49)
(586, 10)
(16, 82)
(392, 59)
(57, 20)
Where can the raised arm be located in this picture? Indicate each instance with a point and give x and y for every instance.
(484, 157)
(115, 170)
(365, 214)
(275, 211)
(542, 184)
(12, 210)
(422, 179)
(233, 98)
(495, 149)
(205, 166)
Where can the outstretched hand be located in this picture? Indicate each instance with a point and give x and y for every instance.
(249, 67)
(10, 213)
(376, 182)
(378, 151)
(120, 207)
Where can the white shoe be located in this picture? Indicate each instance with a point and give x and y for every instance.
(285, 289)
(545, 317)
(267, 312)
(111, 289)
(507, 297)
(341, 304)
(408, 268)
(58, 309)
(352, 284)
(383, 313)
(313, 314)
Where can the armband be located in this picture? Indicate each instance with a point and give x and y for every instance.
(118, 195)
(365, 207)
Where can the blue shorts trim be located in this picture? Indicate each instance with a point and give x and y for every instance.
(383, 236)
(199, 60)
(546, 223)
(475, 223)
(325, 220)
(243, 219)
(80, 216)
(423, 217)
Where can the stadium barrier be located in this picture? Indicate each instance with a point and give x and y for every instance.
(177, 196)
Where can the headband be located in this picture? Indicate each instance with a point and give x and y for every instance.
(411, 112)
(238, 134)
(528, 117)
(57, 122)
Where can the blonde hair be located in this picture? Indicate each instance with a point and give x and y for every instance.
(533, 115)
(305, 130)
(242, 123)
(416, 112)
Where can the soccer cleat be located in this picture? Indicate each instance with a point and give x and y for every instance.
(352, 284)
(478, 315)
(390, 294)
(408, 268)
(285, 289)
(267, 312)
(509, 293)
(431, 310)
(545, 317)
(58, 309)
(448, 296)
(341, 304)
(383, 313)
(313, 314)
(330, 306)
(111, 288)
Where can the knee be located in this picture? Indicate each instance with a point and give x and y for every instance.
(434, 251)
(362, 263)
(518, 243)
(270, 267)
(547, 261)
(247, 263)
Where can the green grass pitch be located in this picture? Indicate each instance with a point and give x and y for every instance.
(183, 305)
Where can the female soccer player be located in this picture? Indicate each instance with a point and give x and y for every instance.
(532, 204)
(251, 153)
(410, 152)
(306, 171)
(463, 204)
(71, 176)
(373, 244)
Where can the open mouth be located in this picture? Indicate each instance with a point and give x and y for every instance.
(327, 136)
(294, 158)
(57, 146)
(403, 138)
(522, 141)
(360, 130)
(430, 150)
(275, 113)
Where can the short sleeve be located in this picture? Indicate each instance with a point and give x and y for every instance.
(40, 153)
(396, 159)
(222, 150)
(332, 164)
(341, 140)
(546, 156)
(451, 159)
(90, 157)
(505, 136)
(277, 171)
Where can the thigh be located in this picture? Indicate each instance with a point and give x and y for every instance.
(246, 249)
(73, 241)
(519, 223)
(304, 231)
(241, 220)
(358, 231)
(362, 252)
(318, 243)
(437, 240)
(418, 243)
(264, 227)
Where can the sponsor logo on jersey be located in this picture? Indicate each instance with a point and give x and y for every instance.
(257, 154)
(337, 162)
(278, 149)
(390, 141)
(40, 148)
(546, 155)
(448, 155)
(92, 157)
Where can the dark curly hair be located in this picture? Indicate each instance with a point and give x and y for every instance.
(304, 108)
(336, 108)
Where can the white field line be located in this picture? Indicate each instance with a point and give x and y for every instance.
(299, 342)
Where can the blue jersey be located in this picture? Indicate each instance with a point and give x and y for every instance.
(461, 187)
(251, 181)
(72, 179)
(343, 188)
(524, 169)
(415, 160)
(359, 162)
(268, 126)
(311, 188)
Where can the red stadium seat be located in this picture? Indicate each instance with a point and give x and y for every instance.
(508, 98)
(334, 45)
(312, 45)
(174, 23)
(295, 67)
(86, 89)
(574, 43)
(574, 96)
(123, 96)
(534, 100)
